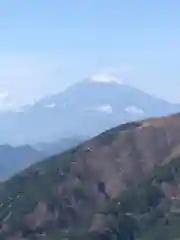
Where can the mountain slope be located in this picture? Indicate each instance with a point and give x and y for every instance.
(123, 184)
(103, 105)
(85, 109)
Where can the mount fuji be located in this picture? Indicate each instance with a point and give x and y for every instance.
(84, 109)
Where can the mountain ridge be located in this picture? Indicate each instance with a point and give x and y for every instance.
(87, 192)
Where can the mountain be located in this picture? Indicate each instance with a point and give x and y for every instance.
(84, 109)
(122, 184)
(15, 159)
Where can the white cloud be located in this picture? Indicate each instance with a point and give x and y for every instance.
(104, 108)
(5, 104)
(134, 110)
(52, 105)
(106, 77)
(4, 95)
(120, 74)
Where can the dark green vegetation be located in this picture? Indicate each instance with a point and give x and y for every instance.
(136, 215)
(22, 193)
(157, 216)
(143, 211)
(67, 197)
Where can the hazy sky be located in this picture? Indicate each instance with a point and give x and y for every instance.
(46, 45)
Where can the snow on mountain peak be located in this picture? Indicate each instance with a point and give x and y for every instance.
(105, 78)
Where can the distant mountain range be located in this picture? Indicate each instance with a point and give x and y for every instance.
(15, 159)
(85, 109)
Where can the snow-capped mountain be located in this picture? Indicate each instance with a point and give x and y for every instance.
(85, 109)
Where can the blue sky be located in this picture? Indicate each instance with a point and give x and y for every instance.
(46, 45)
